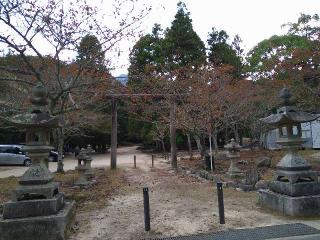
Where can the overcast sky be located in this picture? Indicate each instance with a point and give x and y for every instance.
(253, 20)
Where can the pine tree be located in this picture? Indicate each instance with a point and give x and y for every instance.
(146, 55)
(90, 54)
(182, 44)
(220, 52)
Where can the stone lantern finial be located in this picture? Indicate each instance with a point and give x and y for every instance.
(39, 95)
(285, 96)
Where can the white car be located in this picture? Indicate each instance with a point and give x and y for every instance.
(13, 155)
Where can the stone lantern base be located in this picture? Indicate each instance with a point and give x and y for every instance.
(51, 227)
(292, 206)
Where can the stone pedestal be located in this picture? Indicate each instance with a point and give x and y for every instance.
(50, 227)
(292, 206)
(81, 181)
(33, 208)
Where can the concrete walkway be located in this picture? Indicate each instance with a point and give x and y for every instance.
(293, 231)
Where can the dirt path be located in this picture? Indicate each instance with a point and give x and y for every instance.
(180, 205)
(124, 159)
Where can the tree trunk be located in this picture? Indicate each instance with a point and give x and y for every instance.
(173, 137)
(215, 142)
(114, 134)
(163, 148)
(199, 145)
(60, 143)
(236, 133)
(210, 147)
(189, 145)
(226, 136)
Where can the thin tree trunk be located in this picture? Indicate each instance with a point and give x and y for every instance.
(114, 135)
(236, 133)
(226, 136)
(215, 142)
(210, 146)
(173, 136)
(163, 148)
(189, 145)
(199, 145)
(60, 142)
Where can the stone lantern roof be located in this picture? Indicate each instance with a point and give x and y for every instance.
(37, 118)
(288, 113)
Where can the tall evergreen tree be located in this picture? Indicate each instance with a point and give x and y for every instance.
(183, 45)
(221, 52)
(146, 55)
(90, 53)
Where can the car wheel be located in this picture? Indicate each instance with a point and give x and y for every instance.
(27, 162)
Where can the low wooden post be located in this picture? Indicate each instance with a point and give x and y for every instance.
(146, 206)
(220, 202)
(152, 161)
(134, 161)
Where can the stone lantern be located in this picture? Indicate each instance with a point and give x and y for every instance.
(81, 168)
(233, 153)
(37, 209)
(89, 171)
(295, 189)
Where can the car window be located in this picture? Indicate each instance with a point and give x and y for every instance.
(16, 150)
(9, 150)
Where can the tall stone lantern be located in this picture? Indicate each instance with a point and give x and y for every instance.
(295, 189)
(37, 209)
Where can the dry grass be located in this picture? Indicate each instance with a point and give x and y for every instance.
(87, 199)
(6, 187)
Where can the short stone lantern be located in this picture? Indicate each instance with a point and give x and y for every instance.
(82, 158)
(37, 209)
(295, 189)
(233, 153)
(89, 171)
(81, 168)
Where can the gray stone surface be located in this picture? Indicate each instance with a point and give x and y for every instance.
(295, 176)
(291, 206)
(262, 184)
(82, 181)
(47, 190)
(246, 187)
(33, 208)
(36, 174)
(297, 189)
(263, 162)
(52, 227)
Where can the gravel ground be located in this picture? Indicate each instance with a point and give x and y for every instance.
(180, 205)
(125, 159)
